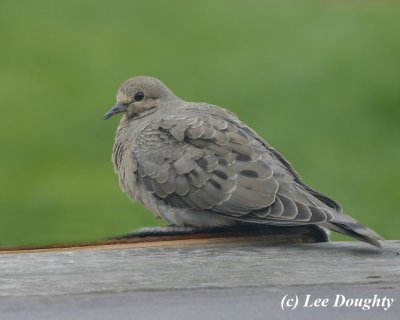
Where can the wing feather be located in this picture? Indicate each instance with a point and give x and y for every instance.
(208, 162)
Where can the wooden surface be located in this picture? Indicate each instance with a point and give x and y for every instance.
(202, 280)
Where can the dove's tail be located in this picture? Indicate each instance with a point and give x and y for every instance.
(350, 227)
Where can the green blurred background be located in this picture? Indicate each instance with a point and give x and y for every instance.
(319, 80)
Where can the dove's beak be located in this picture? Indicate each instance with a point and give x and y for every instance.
(119, 107)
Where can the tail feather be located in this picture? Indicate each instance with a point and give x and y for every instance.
(354, 229)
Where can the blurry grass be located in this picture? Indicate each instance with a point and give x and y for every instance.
(319, 80)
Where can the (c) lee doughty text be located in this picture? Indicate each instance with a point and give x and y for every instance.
(338, 301)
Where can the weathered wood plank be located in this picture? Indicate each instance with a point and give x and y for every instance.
(202, 304)
(197, 279)
(195, 267)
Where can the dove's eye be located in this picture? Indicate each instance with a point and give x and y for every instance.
(139, 96)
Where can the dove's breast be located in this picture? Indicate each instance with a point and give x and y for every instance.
(125, 165)
(154, 149)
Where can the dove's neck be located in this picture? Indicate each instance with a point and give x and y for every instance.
(162, 106)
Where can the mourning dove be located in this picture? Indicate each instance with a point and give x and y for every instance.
(198, 165)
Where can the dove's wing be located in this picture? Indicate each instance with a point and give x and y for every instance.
(211, 161)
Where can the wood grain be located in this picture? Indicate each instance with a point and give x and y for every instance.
(197, 278)
(206, 265)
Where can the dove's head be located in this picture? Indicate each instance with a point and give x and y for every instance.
(138, 95)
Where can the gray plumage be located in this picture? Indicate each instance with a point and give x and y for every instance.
(196, 164)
